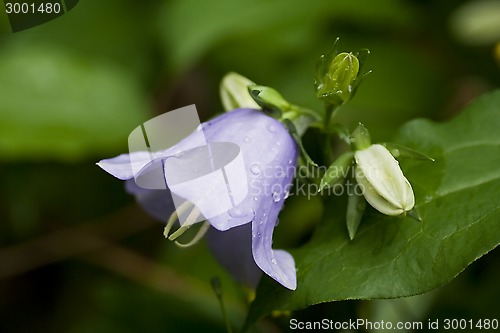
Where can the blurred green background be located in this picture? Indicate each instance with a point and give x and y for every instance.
(78, 255)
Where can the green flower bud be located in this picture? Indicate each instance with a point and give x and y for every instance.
(338, 75)
(234, 92)
(338, 83)
(384, 186)
(268, 98)
(360, 138)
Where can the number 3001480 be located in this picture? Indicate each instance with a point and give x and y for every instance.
(32, 8)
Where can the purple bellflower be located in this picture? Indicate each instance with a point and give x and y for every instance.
(241, 238)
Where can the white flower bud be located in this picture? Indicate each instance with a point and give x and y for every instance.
(384, 185)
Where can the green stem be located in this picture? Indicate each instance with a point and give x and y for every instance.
(328, 115)
(216, 285)
(327, 149)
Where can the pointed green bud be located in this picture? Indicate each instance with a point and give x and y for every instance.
(360, 138)
(338, 75)
(234, 92)
(269, 99)
(384, 186)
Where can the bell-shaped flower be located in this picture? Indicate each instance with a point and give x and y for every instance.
(384, 185)
(241, 238)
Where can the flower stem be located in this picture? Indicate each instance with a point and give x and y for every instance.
(327, 149)
(329, 107)
(216, 285)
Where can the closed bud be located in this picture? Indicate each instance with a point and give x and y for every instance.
(384, 186)
(268, 98)
(338, 75)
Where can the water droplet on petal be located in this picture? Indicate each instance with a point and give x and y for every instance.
(255, 169)
(274, 261)
(289, 161)
(259, 235)
(276, 197)
(246, 139)
(287, 194)
(271, 128)
(255, 198)
(236, 212)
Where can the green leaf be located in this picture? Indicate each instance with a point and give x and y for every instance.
(56, 106)
(391, 257)
(360, 138)
(296, 137)
(337, 171)
(405, 152)
(356, 205)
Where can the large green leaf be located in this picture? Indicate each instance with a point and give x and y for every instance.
(457, 198)
(190, 28)
(56, 105)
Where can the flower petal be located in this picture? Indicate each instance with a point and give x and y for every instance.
(278, 264)
(270, 156)
(158, 203)
(121, 166)
(233, 250)
(266, 147)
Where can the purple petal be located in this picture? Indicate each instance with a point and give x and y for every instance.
(270, 156)
(266, 147)
(233, 250)
(158, 203)
(121, 165)
(278, 264)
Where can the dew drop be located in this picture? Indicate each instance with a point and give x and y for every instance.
(259, 235)
(271, 128)
(276, 197)
(287, 194)
(289, 161)
(235, 212)
(273, 261)
(246, 139)
(255, 169)
(255, 198)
